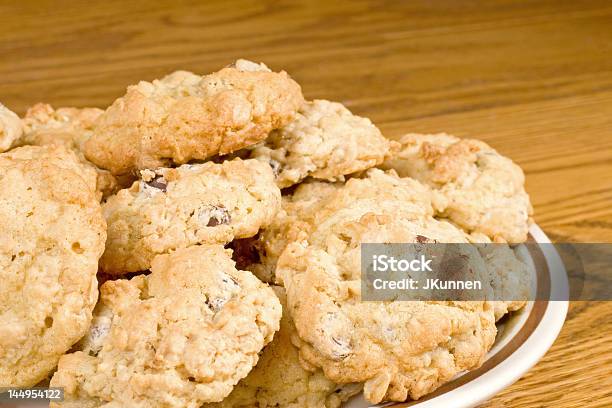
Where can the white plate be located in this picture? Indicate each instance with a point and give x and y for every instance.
(523, 338)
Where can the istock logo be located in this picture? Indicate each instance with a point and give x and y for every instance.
(385, 263)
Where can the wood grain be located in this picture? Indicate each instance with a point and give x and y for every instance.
(534, 79)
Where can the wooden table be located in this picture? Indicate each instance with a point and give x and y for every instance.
(534, 80)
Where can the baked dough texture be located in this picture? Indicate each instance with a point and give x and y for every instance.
(189, 205)
(52, 235)
(184, 116)
(482, 191)
(45, 125)
(290, 225)
(10, 128)
(279, 380)
(509, 277)
(308, 213)
(177, 338)
(325, 141)
(71, 127)
(399, 350)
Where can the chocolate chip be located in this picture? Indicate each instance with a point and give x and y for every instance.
(421, 239)
(246, 251)
(215, 304)
(276, 167)
(214, 215)
(159, 183)
(213, 222)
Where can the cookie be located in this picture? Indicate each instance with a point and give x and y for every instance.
(184, 116)
(192, 204)
(180, 337)
(325, 141)
(399, 350)
(70, 127)
(53, 233)
(10, 128)
(279, 380)
(53, 156)
(484, 191)
(259, 254)
(314, 206)
(509, 277)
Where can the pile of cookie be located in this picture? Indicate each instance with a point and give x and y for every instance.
(197, 244)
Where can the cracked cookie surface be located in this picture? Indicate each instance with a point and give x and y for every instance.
(483, 191)
(279, 380)
(188, 205)
(399, 350)
(325, 141)
(10, 128)
(184, 116)
(52, 235)
(180, 337)
(71, 127)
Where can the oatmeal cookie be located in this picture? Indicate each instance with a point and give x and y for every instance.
(192, 204)
(314, 206)
(180, 337)
(483, 191)
(509, 277)
(52, 235)
(10, 128)
(290, 225)
(325, 141)
(279, 380)
(70, 127)
(397, 349)
(184, 116)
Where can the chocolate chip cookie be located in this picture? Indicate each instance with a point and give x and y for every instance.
(509, 277)
(180, 337)
(279, 380)
(184, 116)
(325, 141)
(314, 206)
(52, 235)
(192, 204)
(399, 350)
(71, 127)
(483, 191)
